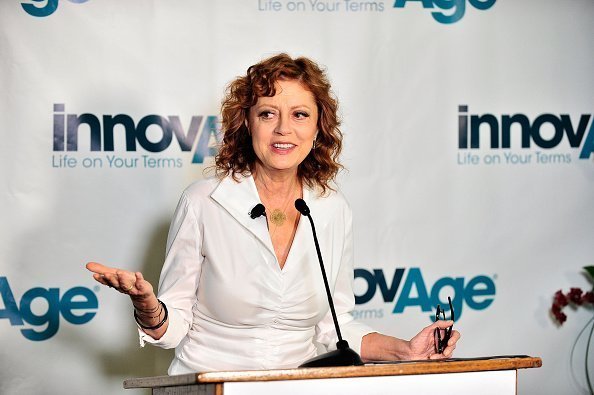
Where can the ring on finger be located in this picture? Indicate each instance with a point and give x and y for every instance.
(126, 289)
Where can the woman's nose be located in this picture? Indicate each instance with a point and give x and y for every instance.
(283, 127)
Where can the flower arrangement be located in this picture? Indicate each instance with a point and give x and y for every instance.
(575, 298)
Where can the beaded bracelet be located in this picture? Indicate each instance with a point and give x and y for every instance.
(148, 311)
(141, 314)
(160, 324)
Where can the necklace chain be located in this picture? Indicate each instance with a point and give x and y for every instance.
(278, 216)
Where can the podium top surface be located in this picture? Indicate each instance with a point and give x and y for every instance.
(372, 369)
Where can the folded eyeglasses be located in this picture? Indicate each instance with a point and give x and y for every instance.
(442, 342)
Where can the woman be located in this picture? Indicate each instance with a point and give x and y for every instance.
(238, 292)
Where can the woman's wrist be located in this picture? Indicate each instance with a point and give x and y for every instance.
(145, 303)
(378, 347)
(147, 310)
(148, 321)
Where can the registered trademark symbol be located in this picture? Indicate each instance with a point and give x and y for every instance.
(96, 288)
(495, 277)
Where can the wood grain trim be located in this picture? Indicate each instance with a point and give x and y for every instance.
(408, 368)
(371, 370)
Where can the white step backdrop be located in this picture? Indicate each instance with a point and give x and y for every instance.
(448, 198)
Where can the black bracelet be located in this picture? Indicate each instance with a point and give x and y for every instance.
(160, 324)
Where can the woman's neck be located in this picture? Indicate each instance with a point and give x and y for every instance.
(276, 183)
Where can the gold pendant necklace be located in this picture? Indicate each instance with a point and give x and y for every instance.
(277, 217)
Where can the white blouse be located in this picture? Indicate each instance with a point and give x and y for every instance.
(231, 306)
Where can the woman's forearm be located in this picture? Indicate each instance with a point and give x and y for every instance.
(378, 347)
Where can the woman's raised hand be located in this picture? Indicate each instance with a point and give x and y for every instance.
(126, 282)
(141, 292)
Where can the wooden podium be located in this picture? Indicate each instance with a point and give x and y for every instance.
(485, 376)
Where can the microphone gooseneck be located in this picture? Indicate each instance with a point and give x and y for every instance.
(302, 207)
(343, 355)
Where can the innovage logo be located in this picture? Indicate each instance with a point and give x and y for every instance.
(545, 131)
(477, 293)
(455, 9)
(77, 306)
(42, 8)
(153, 133)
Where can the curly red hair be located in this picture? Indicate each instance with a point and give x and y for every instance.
(236, 154)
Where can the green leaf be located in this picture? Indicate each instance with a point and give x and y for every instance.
(590, 270)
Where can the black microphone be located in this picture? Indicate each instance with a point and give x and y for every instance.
(257, 211)
(343, 355)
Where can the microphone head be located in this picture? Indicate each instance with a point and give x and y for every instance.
(257, 211)
(301, 206)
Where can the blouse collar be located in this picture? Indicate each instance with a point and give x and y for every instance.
(239, 197)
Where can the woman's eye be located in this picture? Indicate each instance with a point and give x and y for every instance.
(301, 115)
(266, 114)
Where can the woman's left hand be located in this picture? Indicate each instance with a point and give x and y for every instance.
(422, 346)
(378, 347)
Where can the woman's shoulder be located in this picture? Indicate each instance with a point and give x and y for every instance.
(331, 201)
(200, 189)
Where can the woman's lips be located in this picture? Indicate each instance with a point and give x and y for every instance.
(283, 147)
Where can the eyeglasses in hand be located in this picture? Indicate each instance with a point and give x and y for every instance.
(441, 343)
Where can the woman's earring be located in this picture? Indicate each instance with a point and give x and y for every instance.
(247, 127)
(314, 145)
